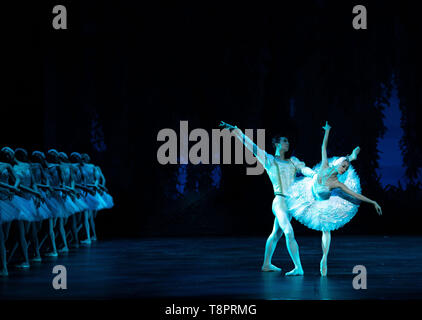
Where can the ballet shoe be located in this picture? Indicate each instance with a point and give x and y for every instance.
(4, 273)
(36, 259)
(87, 241)
(295, 272)
(63, 250)
(270, 268)
(23, 265)
(51, 254)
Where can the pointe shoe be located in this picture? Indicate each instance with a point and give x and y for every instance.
(51, 254)
(23, 265)
(295, 272)
(36, 259)
(270, 268)
(4, 273)
(93, 238)
(63, 250)
(87, 241)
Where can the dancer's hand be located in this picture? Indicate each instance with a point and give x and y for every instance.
(327, 127)
(227, 126)
(378, 208)
(354, 154)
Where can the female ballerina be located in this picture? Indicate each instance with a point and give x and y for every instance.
(80, 182)
(75, 202)
(316, 202)
(26, 202)
(8, 212)
(40, 172)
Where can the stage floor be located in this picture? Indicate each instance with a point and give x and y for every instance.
(224, 268)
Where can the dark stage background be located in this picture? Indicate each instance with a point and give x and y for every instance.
(123, 70)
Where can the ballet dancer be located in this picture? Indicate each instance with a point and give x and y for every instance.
(80, 183)
(25, 202)
(59, 195)
(73, 198)
(42, 176)
(282, 173)
(101, 184)
(24, 167)
(325, 202)
(8, 212)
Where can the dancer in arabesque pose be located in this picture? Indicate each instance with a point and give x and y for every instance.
(282, 172)
(325, 202)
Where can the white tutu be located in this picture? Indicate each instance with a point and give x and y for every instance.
(108, 199)
(324, 215)
(27, 210)
(8, 212)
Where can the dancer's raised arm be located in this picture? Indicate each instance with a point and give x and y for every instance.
(324, 161)
(260, 154)
(358, 196)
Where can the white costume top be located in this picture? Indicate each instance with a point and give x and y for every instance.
(282, 173)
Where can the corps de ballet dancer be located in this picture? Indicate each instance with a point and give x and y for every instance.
(42, 175)
(8, 212)
(92, 180)
(25, 168)
(325, 202)
(27, 202)
(74, 198)
(282, 172)
(100, 184)
(58, 196)
(91, 201)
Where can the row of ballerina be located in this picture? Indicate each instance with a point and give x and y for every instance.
(66, 192)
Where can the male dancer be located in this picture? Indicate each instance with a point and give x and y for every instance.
(281, 172)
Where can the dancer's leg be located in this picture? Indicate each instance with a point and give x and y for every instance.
(23, 245)
(3, 270)
(7, 230)
(325, 243)
(52, 236)
(34, 234)
(280, 211)
(86, 225)
(75, 230)
(63, 234)
(270, 247)
(92, 223)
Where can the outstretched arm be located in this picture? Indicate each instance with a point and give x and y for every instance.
(358, 196)
(307, 172)
(260, 154)
(324, 160)
(302, 168)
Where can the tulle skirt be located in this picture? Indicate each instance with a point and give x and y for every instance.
(93, 201)
(56, 204)
(44, 211)
(324, 215)
(8, 212)
(27, 210)
(71, 206)
(108, 200)
(81, 204)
